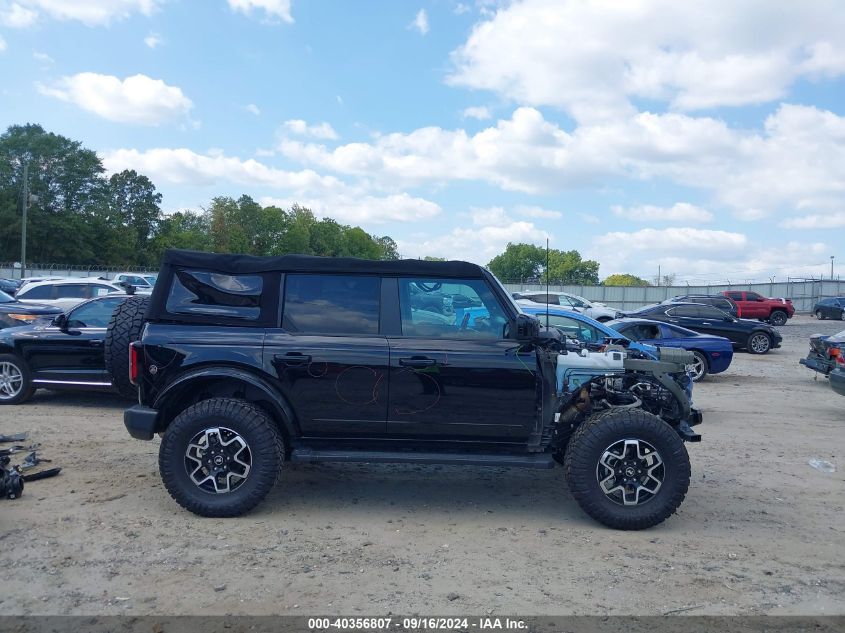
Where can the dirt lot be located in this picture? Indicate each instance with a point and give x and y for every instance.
(761, 531)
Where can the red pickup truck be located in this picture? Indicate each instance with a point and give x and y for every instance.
(754, 306)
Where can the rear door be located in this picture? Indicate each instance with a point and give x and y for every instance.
(457, 376)
(73, 355)
(328, 355)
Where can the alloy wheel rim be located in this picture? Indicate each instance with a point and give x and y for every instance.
(11, 380)
(760, 343)
(697, 367)
(218, 460)
(630, 472)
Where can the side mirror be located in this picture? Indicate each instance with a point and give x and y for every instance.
(60, 321)
(525, 328)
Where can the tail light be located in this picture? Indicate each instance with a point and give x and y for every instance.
(133, 364)
(836, 353)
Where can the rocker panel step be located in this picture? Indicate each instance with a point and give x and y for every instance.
(538, 461)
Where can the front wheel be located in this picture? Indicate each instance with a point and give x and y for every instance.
(820, 316)
(778, 317)
(759, 343)
(15, 380)
(700, 367)
(627, 468)
(220, 457)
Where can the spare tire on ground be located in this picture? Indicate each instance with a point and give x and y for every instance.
(124, 328)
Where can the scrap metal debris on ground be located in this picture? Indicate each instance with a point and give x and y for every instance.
(12, 478)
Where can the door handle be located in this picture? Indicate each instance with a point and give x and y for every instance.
(292, 358)
(417, 361)
(97, 343)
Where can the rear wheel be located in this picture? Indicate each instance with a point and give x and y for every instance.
(627, 468)
(700, 366)
(220, 457)
(778, 317)
(759, 343)
(124, 328)
(15, 380)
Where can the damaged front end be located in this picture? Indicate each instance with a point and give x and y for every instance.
(578, 381)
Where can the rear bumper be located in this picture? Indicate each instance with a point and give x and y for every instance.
(837, 381)
(141, 422)
(816, 364)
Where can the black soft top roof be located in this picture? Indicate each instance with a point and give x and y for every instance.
(249, 264)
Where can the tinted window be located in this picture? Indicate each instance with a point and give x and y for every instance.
(331, 304)
(684, 311)
(736, 296)
(450, 308)
(40, 292)
(93, 314)
(709, 312)
(71, 291)
(543, 298)
(643, 332)
(205, 293)
(752, 296)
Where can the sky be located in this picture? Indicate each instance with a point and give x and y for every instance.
(704, 138)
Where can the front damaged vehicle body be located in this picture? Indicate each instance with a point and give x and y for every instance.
(248, 363)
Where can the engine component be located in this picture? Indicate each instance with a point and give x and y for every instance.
(576, 368)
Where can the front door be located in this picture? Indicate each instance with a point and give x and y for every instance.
(328, 356)
(73, 354)
(453, 375)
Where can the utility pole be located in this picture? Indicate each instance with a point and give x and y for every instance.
(658, 274)
(831, 267)
(23, 223)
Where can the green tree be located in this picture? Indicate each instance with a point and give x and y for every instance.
(527, 262)
(625, 279)
(134, 212)
(567, 267)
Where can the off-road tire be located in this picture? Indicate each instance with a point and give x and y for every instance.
(27, 388)
(759, 350)
(594, 436)
(778, 318)
(701, 358)
(124, 328)
(247, 420)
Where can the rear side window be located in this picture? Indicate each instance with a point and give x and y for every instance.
(685, 311)
(331, 304)
(71, 291)
(203, 293)
(39, 292)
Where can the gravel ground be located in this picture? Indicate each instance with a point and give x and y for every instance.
(760, 532)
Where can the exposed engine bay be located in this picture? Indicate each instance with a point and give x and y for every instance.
(579, 380)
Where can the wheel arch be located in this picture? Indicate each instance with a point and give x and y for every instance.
(226, 382)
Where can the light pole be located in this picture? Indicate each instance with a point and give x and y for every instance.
(831, 267)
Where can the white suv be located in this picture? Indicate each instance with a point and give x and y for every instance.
(597, 311)
(65, 293)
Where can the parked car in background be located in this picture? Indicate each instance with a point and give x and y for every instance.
(592, 309)
(756, 306)
(14, 313)
(9, 286)
(753, 336)
(138, 280)
(717, 301)
(713, 354)
(579, 326)
(837, 380)
(830, 308)
(826, 353)
(64, 353)
(66, 293)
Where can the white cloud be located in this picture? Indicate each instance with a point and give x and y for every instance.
(592, 58)
(136, 99)
(44, 58)
(89, 12)
(253, 109)
(477, 112)
(420, 22)
(153, 40)
(17, 16)
(816, 221)
(487, 242)
(273, 9)
(300, 127)
(363, 208)
(678, 212)
(461, 8)
(538, 212)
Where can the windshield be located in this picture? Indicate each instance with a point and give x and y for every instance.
(4, 298)
(516, 306)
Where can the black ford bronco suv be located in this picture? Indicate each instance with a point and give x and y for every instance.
(245, 363)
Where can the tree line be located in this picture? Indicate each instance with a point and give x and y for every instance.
(78, 215)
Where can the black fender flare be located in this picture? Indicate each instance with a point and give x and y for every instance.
(281, 409)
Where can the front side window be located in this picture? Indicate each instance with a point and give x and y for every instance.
(753, 296)
(72, 291)
(684, 311)
(203, 293)
(736, 296)
(332, 304)
(573, 328)
(39, 292)
(709, 312)
(578, 302)
(93, 314)
(643, 332)
(450, 308)
(99, 291)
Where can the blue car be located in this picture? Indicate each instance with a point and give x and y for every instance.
(581, 327)
(713, 354)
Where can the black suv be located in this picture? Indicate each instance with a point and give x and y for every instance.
(247, 362)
